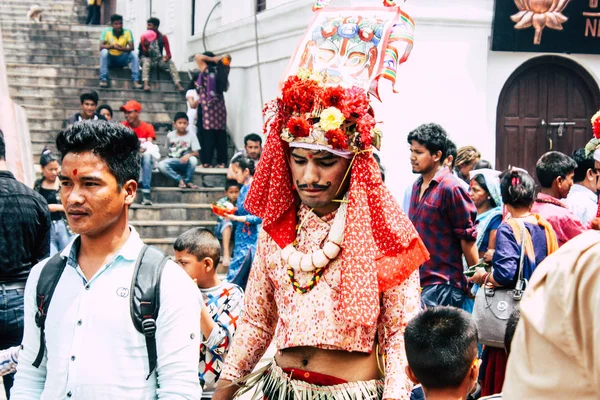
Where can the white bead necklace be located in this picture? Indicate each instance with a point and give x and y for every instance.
(300, 261)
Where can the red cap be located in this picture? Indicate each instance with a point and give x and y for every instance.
(131, 105)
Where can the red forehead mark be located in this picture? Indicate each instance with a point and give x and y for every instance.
(75, 172)
(310, 156)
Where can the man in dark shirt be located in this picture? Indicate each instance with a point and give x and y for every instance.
(24, 241)
(89, 104)
(444, 215)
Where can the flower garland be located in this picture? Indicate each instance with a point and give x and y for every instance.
(318, 260)
(311, 112)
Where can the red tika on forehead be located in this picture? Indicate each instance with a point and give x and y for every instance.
(75, 172)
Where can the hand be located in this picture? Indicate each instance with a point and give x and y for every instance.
(142, 150)
(185, 159)
(234, 217)
(226, 261)
(488, 256)
(117, 47)
(479, 276)
(166, 58)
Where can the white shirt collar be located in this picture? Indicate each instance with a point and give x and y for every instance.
(129, 251)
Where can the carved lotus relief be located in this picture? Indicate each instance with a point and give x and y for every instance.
(540, 14)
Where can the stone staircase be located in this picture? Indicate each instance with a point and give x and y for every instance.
(49, 64)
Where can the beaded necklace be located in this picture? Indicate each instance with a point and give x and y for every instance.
(318, 260)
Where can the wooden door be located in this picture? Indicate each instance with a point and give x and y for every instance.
(545, 105)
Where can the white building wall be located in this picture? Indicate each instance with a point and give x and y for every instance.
(452, 77)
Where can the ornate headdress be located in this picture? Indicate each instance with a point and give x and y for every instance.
(593, 146)
(324, 105)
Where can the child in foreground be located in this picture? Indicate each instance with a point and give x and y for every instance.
(441, 349)
(198, 252)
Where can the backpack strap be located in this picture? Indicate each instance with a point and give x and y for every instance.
(145, 298)
(49, 277)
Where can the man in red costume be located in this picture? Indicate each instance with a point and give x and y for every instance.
(335, 279)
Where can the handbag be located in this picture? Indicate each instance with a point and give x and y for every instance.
(494, 305)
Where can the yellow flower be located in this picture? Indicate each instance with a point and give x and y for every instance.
(303, 73)
(331, 118)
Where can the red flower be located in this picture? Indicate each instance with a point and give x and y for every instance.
(596, 128)
(333, 97)
(366, 140)
(300, 95)
(299, 127)
(337, 139)
(355, 103)
(365, 124)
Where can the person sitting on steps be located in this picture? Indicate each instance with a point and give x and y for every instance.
(89, 105)
(116, 50)
(151, 54)
(146, 134)
(182, 149)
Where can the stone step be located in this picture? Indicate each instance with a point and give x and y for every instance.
(64, 80)
(83, 71)
(34, 32)
(167, 211)
(62, 60)
(182, 196)
(52, 25)
(18, 50)
(62, 91)
(168, 228)
(165, 245)
(149, 102)
(23, 7)
(43, 3)
(48, 46)
(17, 12)
(78, 42)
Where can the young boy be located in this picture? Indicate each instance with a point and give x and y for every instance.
(555, 172)
(441, 349)
(182, 149)
(224, 226)
(89, 104)
(198, 251)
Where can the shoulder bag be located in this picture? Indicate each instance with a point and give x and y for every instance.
(494, 305)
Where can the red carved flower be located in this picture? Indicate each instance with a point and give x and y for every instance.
(337, 139)
(355, 103)
(596, 128)
(298, 127)
(299, 95)
(365, 124)
(333, 97)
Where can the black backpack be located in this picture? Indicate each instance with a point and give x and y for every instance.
(144, 295)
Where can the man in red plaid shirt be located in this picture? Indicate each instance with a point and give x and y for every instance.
(444, 215)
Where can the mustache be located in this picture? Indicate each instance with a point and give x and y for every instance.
(315, 186)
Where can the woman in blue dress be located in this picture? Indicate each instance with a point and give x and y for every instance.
(518, 193)
(246, 225)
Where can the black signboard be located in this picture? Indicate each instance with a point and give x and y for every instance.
(556, 26)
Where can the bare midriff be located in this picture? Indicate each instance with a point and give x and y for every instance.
(349, 366)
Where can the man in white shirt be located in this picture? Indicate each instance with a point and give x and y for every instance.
(583, 196)
(93, 350)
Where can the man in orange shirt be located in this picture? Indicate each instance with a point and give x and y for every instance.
(146, 134)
